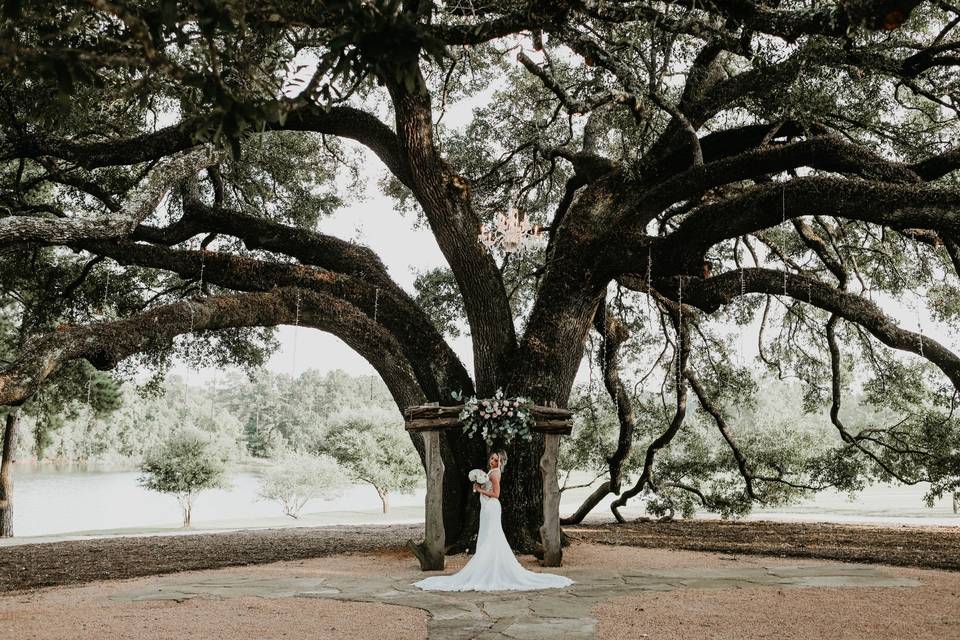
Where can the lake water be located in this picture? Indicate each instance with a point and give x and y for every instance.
(60, 500)
(56, 501)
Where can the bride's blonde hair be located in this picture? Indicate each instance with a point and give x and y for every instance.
(502, 456)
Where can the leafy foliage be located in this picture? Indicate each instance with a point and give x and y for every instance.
(438, 296)
(294, 479)
(373, 448)
(696, 472)
(185, 464)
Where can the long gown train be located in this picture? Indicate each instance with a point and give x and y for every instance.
(493, 567)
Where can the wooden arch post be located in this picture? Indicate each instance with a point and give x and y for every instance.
(430, 420)
(552, 423)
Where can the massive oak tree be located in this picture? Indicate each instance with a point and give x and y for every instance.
(694, 165)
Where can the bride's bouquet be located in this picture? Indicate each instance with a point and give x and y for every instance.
(478, 476)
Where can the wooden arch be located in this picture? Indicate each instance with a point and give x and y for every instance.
(430, 420)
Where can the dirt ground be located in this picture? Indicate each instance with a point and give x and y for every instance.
(99, 611)
(61, 563)
(931, 547)
(927, 612)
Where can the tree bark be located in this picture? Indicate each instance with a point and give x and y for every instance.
(521, 495)
(186, 503)
(446, 200)
(25, 229)
(107, 343)
(6, 475)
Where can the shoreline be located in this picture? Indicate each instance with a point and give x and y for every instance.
(413, 516)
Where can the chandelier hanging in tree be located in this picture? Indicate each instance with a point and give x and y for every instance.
(511, 234)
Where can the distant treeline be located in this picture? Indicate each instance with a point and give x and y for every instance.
(248, 417)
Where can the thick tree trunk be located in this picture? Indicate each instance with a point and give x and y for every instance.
(461, 506)
(521, 495)
(546, 376)
(6, 475)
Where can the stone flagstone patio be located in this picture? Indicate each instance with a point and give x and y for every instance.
(560, 613)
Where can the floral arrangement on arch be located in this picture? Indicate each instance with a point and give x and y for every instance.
(497, 419)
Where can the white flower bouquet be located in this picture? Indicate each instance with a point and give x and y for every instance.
(478, 476)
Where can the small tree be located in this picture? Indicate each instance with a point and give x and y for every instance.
(295, 478)
(184, 465)
(373, 448)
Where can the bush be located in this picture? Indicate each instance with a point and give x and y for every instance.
(373, 448)
(185, 464)
(295, 478)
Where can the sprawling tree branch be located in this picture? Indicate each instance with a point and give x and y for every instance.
(614, 335)
(106, 344)
(708, 405)
(345, 122)
(711, 293)
(437, 368)
(767, 205)
(681, 358)
(143, 202)
(446, 200)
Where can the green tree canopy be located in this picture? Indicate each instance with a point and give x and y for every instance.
(372, 449)
(185, 464)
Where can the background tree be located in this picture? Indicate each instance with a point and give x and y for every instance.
(371, 448)
(28, 305)
(6, 473)
(786, 170)
(184, 465)
(294, 479)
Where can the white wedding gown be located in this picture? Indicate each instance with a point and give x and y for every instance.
(493, 567)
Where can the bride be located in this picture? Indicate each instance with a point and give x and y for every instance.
(493, 567)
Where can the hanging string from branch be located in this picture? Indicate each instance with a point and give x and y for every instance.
(679, 332)
(920, 333)
(916, 245)
(202, 267)
(743, 293)
(650, 287)
(296, 330)
(376, 310)
(106, 294)
(783, 222)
